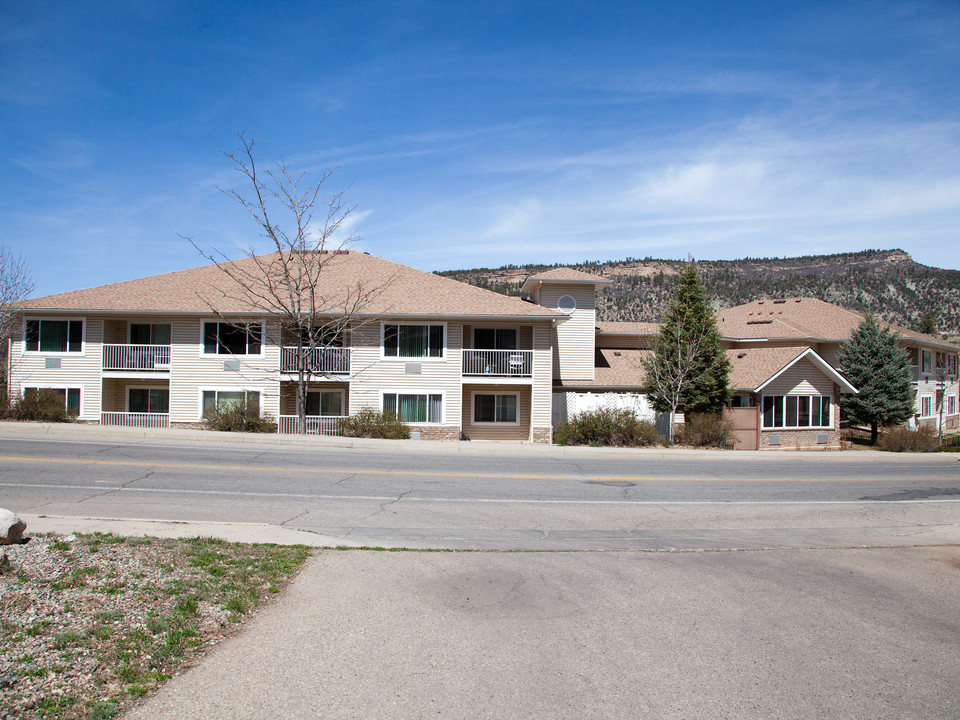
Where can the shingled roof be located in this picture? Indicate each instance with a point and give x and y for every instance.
(752, 368)
(802, 319)
(565, 275)
(395, 290)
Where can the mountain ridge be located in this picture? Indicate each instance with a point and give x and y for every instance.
(888, 283)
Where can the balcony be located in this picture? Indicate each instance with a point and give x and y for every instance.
(498, 363)
(135, 420)
(137, 358)
(316, 425)
(320, 361)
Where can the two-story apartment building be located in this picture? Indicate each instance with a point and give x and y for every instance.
(448, 357)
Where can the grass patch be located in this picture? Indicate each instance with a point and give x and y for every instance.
(185, 594)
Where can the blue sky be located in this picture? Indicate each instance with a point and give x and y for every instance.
(482, 134)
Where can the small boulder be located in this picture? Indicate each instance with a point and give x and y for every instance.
(11, 529)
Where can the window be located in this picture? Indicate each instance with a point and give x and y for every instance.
(925, 361)
(147, 334)
(739, 401)
(414, 408)
(69, 396)
(325, 402)
(55, 336)
(495, 408)
(951, 404)
(926, 405)
(148, 400)
(495, 338)
(226, 339)
(413, 341)
(228, 399)
(796, 411)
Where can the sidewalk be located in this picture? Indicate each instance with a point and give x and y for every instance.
(79, 432)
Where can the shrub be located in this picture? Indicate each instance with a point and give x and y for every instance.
(239, 417)
(902, 439)
(607, 427)
(44, 405)
(368, 423)
(703, 430)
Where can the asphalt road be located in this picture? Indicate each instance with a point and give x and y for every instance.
(492, 496)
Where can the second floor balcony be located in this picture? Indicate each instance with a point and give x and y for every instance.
(319, 361)
(503, 363)
(137, 358)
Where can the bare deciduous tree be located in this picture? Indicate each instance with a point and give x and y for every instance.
(285, 285)
(16, 284)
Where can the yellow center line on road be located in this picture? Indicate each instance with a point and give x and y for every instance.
(415, 473)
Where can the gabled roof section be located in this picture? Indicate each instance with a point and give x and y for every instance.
(807, 319)
(565, 276)
(393, 290)
(755, 368)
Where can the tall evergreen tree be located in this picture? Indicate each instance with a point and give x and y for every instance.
(689, 370)
(873, 361)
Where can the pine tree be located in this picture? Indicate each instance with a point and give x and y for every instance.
(689, 370)
(928, 324)
(873, 361)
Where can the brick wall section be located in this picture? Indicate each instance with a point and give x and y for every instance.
(806, 439)
(437, 432)
(543, 435)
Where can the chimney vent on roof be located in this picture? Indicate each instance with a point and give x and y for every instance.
(741, 355)
(797, 300)
(779, 302)
(341, 252)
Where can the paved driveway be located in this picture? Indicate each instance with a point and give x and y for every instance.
(749, 634)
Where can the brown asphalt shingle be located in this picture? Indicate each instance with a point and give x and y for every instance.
(392, 289)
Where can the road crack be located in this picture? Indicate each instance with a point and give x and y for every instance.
(118, 488)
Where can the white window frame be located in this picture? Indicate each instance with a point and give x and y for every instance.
(926, 399)
(203, 337)
(926, 362)
(227, 388)
(55, 353)
(783, 402)
(147, 387)
(405, 358)
(497, 423)
(340, 391)
(951, 404)
(55, 386)
(426, 394)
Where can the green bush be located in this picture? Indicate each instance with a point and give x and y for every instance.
(44, 405)
(239, 417)
(902, 439)
(607, 427)
(368, 423)
(703, 430)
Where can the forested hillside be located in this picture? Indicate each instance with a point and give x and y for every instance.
(886, 282)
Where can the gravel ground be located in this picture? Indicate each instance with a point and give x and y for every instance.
(90, 623)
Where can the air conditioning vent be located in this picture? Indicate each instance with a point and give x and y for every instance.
(51, 362)
(231, 365)
(822, 438)
(775, 439)
(413, 368)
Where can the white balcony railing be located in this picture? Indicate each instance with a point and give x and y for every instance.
(135, 420)
(320, 361)
(511, 363)
(147, 358)
(316, 425)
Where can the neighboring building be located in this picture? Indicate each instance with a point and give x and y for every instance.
(451, 359)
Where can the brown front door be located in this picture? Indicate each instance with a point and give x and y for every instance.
(745, 425)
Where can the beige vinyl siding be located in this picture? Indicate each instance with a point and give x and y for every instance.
(191, 371)
(830, 352)
(803, 378)
(575, 335)
(542, 392)
(80, 370)
(372, 375)
(520, 431)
